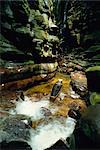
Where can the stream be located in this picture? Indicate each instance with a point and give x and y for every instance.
(49, 75)
(47, 121)
(51, 129)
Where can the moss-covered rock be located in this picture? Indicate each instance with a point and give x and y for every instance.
(91, 123)
(95, 68)
(39, 33)
(24, 41)
(22, 22)
(93, 78)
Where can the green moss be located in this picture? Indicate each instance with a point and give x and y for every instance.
(46, 87)
(94, 48)
(93, 36)
(26, 7)
(52, 38)
(23, 30)
(30, 62)
(95, 98)
(39, 33)
(45, 19)
(94, 68)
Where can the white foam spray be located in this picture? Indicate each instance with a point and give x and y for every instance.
(31, 108)
(47, 135)
(44, 136)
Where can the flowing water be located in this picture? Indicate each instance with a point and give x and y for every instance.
(32, 108)
(45, 134)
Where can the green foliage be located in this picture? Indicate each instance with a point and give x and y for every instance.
(39, 33)
(94, 98)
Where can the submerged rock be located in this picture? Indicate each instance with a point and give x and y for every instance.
(15, 145)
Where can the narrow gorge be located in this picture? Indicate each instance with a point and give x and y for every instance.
(49, 75)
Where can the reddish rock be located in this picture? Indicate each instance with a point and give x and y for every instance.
(79, 83)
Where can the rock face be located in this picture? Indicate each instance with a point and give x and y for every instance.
(10, 129)
(91, 123)
(79, 28)
(28, 37)
(21, 76)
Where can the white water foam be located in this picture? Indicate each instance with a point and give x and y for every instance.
(44, 136)
(31, 109)
(47, 135)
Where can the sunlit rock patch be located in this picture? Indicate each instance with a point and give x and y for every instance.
(17, 76)
(46, 87)
(62, 104)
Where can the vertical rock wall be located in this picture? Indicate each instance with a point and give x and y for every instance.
(28, 42)
(28, 31)
(79, 23)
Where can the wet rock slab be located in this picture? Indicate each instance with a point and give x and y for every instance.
(79, 83)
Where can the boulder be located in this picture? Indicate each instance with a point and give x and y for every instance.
(90, 123)
(13, 128)
(79, 83)
(93, 78)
